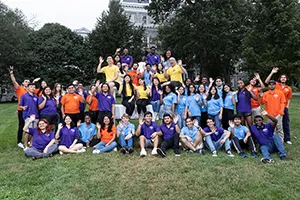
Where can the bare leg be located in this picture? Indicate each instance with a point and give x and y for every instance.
(64, 149)
(142, 142)
(77, 147)
(198, 140)
(188, 145)
(111, 86)
(155, 142)
(249, 120)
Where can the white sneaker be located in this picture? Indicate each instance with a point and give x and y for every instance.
(143, 153)
(115, 149)
(81, 150)
(96, 151)
(228, 152)
(20, 145)
(289, 142)
(214, 154)
(154, 152)
(61, 153)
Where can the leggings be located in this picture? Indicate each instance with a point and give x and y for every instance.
(129, 106)
(141, 105)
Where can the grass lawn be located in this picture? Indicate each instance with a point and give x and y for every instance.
(115, 176)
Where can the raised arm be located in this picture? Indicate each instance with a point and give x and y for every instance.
(12, 77)
(274, 71)
(273, 119)
(182, 68)
(262, 85)
(99, 65)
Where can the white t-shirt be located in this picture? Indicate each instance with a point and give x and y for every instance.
(141, 66)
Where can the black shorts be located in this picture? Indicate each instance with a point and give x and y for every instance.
(101, 115)
(117, 85)
(75, 117)
(176, 83)
(245, 114)
(52, 119)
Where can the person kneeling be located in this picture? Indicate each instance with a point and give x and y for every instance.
(43, 141)
(268, 141)
(191, 137)
(125, 132)
(216, 137)
(170, 131)
(241, 137)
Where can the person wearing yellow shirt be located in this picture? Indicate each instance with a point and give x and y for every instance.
(175, 72)
(143, 93)
(111, 73)
(160, 74)
(127, 90)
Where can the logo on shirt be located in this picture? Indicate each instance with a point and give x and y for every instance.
(128, 58)
(275, 95)
(151, 127)
(72, 130)
(109, 97)
(35, 99)
(265, 130)
(75, 97)
(172, 128)
(286, 89)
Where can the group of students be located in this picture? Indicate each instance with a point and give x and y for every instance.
(184, 108)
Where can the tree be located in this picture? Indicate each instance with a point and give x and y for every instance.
(273, 38)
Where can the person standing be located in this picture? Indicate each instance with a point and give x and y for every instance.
(127, 58)
(153, 58)
(92, 101)
(255, 105)
(229, 99)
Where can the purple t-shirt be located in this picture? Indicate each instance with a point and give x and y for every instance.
(82, 105)
(126, 59)
(105, 102)
(155, 95)
(168, 133)
(49, 108)
(153, 59)
(31, 101)
(67, 136)
(148, 130)
(40, 141)
(215, 136)
(243, 104)
(263, 135)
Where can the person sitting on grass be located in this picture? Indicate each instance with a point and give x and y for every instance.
(170, 131)
(68, 135)
(241, 137)
(107, 134)
(191, 137)
(125, 132)
(268, 141)
(215, 137)
(43, 141)
(149, 133)
(87, 132)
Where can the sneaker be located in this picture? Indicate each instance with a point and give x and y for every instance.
(243, 155)
(130, 150)
(288, 142)
(283, 158)
(115, 149)
(154, 152)
(214, 154)
(123, 150)
(254, 154)
(228, 152)
(21, 145)
(177, 152)
(81, 150)
(201, 151)
(96, 151)
(266, 160)
(161, 153)
(61, 153)
(143, 153)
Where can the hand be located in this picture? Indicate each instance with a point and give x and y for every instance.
(154, 135)
(121, 125)
(245, 140)
(45, 150)
(32, 118)
(234, 93)
(36, 79)
(196, 123)
(44, 96)
(80, 91)
(197, 97)
(231, 124)
(189, 113)
(112, 117)
(100, 59)
(213, 129)
(87, 144)
(78, 123)
(220, 116)
(211, 80)
(179, 62)
(264, 113)
(98, 125)
(118, 50)
(60, 125)
(128, 137)
(204, 96)
(275, 70)
(130, 100)
(188, 138)
(24, 107)
(90, 92)
(222, 141)
(257, 76)
(166, 68)
(11, 69)
(162, 58)
(250, 87)
(160, 92)
(141, 121)
(97, 83)
(197, 78)
(175, 119)
(107, 144)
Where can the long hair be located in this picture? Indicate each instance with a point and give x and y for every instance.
(246, 92)
(189, 92)
(72, 125)
(223, 91)
(54, 91)
(51, 94)
(144, 84)
(204, 91)
(41, 89)
(48, 129)
(172, 88)
(153, 86)
(124, 86)
(210, 95)
(111, 123)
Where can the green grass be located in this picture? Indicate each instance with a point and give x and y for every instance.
(114, 176)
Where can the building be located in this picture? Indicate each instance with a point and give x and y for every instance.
(138, 15)
(82, 31)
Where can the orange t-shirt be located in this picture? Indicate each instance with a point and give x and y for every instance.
(20, 91)
(255, 103)
(286, 90)
(134, 77)
(107, 136)
(93, 106)
(71, 103)
(275, 102)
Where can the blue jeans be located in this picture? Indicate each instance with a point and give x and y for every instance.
(33, 152)
(181, 122)
(215, 145)
(125, 143)
(216, 119)
(155, 105)
(275, 145)
(101, 146)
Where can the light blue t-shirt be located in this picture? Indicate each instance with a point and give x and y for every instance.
(239, 132)
(126, 130)
(170, 99)
(228, 101)
(192, 104)
(180, 107)
(220, 91)
(203, 108)
(214, 105)
(86, 132)
(191, 132)
(147, 76)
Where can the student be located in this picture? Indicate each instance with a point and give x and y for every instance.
(160, 74)
(148, 75)
(268, 141)
(191, 137)
(92, 101)
(255, 105)
(71, 103)
(281, 85)
(229, 100)
(47, 106)
(203, 108)
(214, 105)
(58, 93)
(166, 61)
(148, 132)
(127, 58)
(219, 85)
(29, 105)
(87, 132)
(125, 133)
(170, 132)
(275, 103)
(241, 137)
(175, 72)
(107, 134)
(216, 137)
(169, 100)
(243, 105)
(111, 73)
(156, 97)
(80, 91)
(152, 57)
(180, 106)
(68, 135)
(193, 104)
(204, 81)
(43, 141)
(128, 95)
(134, 74)
(39, 91)
(143, 93)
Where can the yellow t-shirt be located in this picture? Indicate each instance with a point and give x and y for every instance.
(128, 90)
(175, 73)
(161, 77)
(142, 92)
(110, 72)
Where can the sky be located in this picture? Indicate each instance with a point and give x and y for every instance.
(73, 14)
